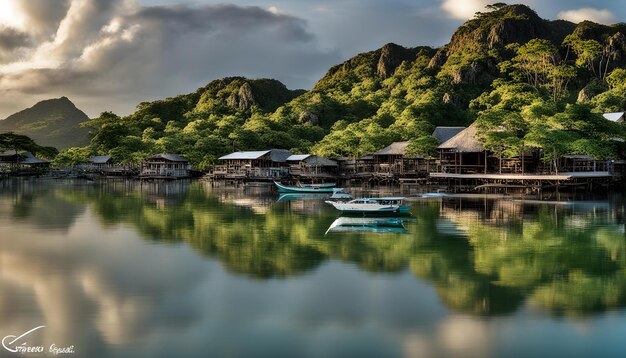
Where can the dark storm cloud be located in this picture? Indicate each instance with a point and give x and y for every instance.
(11, 39)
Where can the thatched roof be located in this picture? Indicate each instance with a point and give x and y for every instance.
(465, 141)
(396, 148)
(99, 159)
(445, 133)
(169, 157)
(276, 155)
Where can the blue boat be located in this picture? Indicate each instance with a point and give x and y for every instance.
(308, 188)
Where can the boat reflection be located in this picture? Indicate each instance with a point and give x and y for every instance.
(369, 224)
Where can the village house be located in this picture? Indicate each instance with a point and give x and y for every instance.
(619, 117)
(306, 166)
(99, 162)
(253, 165)
(393, 161)
(166, 166)
(22, 163)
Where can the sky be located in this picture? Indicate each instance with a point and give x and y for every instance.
(110, 55)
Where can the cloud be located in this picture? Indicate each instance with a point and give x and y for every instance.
(601, 16)
(126, 53)
(464, 9)
(11, 39)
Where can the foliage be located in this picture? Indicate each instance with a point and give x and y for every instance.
(520, 89)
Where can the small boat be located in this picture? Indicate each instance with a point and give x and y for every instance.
(378, 225)
(372, 205)
(309, 188)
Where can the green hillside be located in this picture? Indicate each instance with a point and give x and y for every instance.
(53, 122)
(528, 82)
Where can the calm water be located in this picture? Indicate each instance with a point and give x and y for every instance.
(186, 270)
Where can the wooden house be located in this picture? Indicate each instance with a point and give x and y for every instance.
(463, 153)
(22, 163)
(393, 162)
(165, 166)
(256, 165)
(100, 162)
(306, 166)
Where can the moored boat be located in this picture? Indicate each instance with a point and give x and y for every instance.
(310, 188)
(372, 205)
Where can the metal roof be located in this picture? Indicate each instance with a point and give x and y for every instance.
(465, 141)
(314, 160)
(298, 157)
(29, 158)
(169, 156)
(276, 155)
(249, 155)
(100, 159)
(280, 155)
(615, 116)
(445, 133)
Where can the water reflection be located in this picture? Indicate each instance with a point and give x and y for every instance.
(104, 261)
(368, 224)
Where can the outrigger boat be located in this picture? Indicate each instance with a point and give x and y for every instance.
(372, 205)
(307, 188)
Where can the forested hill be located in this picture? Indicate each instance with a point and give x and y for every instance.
(53, 122)
(534, 82)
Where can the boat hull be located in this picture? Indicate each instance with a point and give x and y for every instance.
(369, 208)
(313, 190)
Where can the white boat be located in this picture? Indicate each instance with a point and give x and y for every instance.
(378, 225)
(339, 194)
(372, 205)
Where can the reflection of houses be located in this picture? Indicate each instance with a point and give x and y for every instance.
(253, 165)
(22, 163)
(306, 166)
(165, 166)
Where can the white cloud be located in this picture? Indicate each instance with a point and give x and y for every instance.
(601, 16)
(464, 9)
(102, 48)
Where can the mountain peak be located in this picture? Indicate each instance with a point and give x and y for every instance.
(52, 122)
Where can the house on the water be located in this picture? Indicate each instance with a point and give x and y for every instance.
(165, 166)
(99, 162)
(307, 166)
(22, 163)
(393, 162)
(253, 165)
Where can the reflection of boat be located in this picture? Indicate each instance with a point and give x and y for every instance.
(433, 195)
(308, 188)
(372, 205)
(302, 196)
(385, 225)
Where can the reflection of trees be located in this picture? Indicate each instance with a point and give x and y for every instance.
(503, 254)
(562, 259)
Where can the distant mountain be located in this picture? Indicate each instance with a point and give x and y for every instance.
(53, 122)
(504, 59)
